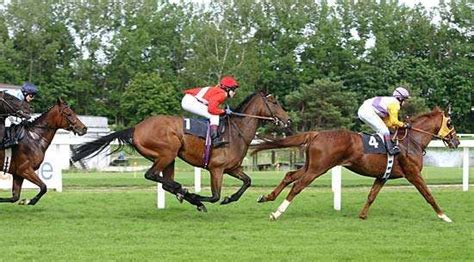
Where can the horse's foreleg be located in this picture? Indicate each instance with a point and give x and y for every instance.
(420, 184)
(216, 186)
(238, 173)
(289, 178)
(31, 176)
(378, 184)
(16, 190)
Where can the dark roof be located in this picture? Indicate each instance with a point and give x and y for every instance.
(8, 86)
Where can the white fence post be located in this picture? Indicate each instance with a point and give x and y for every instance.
(160, 192)
(160, 195)
(197, 179)
(465, 169)
(336, 186)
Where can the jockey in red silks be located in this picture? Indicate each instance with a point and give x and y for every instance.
(205, 102)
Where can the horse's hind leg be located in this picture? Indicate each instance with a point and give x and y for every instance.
(378, 184)
(16, 190)
(306, 179)
(181, 193)
(289, 178)
(420, 184)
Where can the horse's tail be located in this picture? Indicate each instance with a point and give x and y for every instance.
(290, 141)
(93, 148)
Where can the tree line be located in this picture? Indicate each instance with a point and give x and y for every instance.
(127, 60)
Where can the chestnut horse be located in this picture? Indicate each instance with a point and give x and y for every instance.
(161, 139)
(327, 149)
(27, 156)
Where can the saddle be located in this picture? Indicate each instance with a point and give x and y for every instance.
(201, 128)
(13, 135)
(198, 126)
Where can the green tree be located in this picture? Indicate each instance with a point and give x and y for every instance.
(147, 95)
(323, 104)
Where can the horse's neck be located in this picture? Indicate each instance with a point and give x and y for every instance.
(44, 132)
(423, 139)
(247, 126)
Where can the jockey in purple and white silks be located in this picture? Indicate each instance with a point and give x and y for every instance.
(381, 113)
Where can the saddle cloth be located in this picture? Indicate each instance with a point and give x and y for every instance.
(373, 144)
(13, 134)
(198, 127)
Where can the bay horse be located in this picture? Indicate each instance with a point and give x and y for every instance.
(327, 149)
(27, 156)
(161, 139)
(11, 106)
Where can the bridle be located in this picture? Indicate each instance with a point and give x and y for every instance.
(273, 118)
(443, 132)
(71, 122)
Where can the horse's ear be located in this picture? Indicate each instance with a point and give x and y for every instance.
(59, 101)
(263, 92)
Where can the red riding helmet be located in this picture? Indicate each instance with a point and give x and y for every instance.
(228, 82)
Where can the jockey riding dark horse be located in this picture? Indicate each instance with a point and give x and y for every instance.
(15, 104)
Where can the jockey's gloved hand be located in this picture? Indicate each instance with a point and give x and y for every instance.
(407, 125)
(228, 111)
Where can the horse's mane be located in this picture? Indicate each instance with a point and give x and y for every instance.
(436, 110)
(242, 104)
(35, 122)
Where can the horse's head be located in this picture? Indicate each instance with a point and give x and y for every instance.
(447, 131)
(270, 107)
(67, 119)
(440, 125)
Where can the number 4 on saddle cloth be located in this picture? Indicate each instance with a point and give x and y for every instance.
(201, 129)
(373, 144)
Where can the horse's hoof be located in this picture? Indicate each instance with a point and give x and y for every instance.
(226, 201)
(273, 217)
(445, 218)
(261, 199)
(202, 208)
(363, 217)
(180, 197)
(24, 202)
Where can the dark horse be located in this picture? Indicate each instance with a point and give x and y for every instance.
(28, 155)
(327, 149)
(11, 106)
(161, 139)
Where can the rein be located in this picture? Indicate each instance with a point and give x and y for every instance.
(254, 116)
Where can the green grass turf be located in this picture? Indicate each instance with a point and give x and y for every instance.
(94, 224)
(113, 217)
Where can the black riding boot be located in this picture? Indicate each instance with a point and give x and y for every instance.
(392, 148)
(216, 141)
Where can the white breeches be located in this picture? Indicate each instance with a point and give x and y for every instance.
(191, 104)
(367, 114)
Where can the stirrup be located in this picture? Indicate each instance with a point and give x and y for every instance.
(394, 150)
(218, 143)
